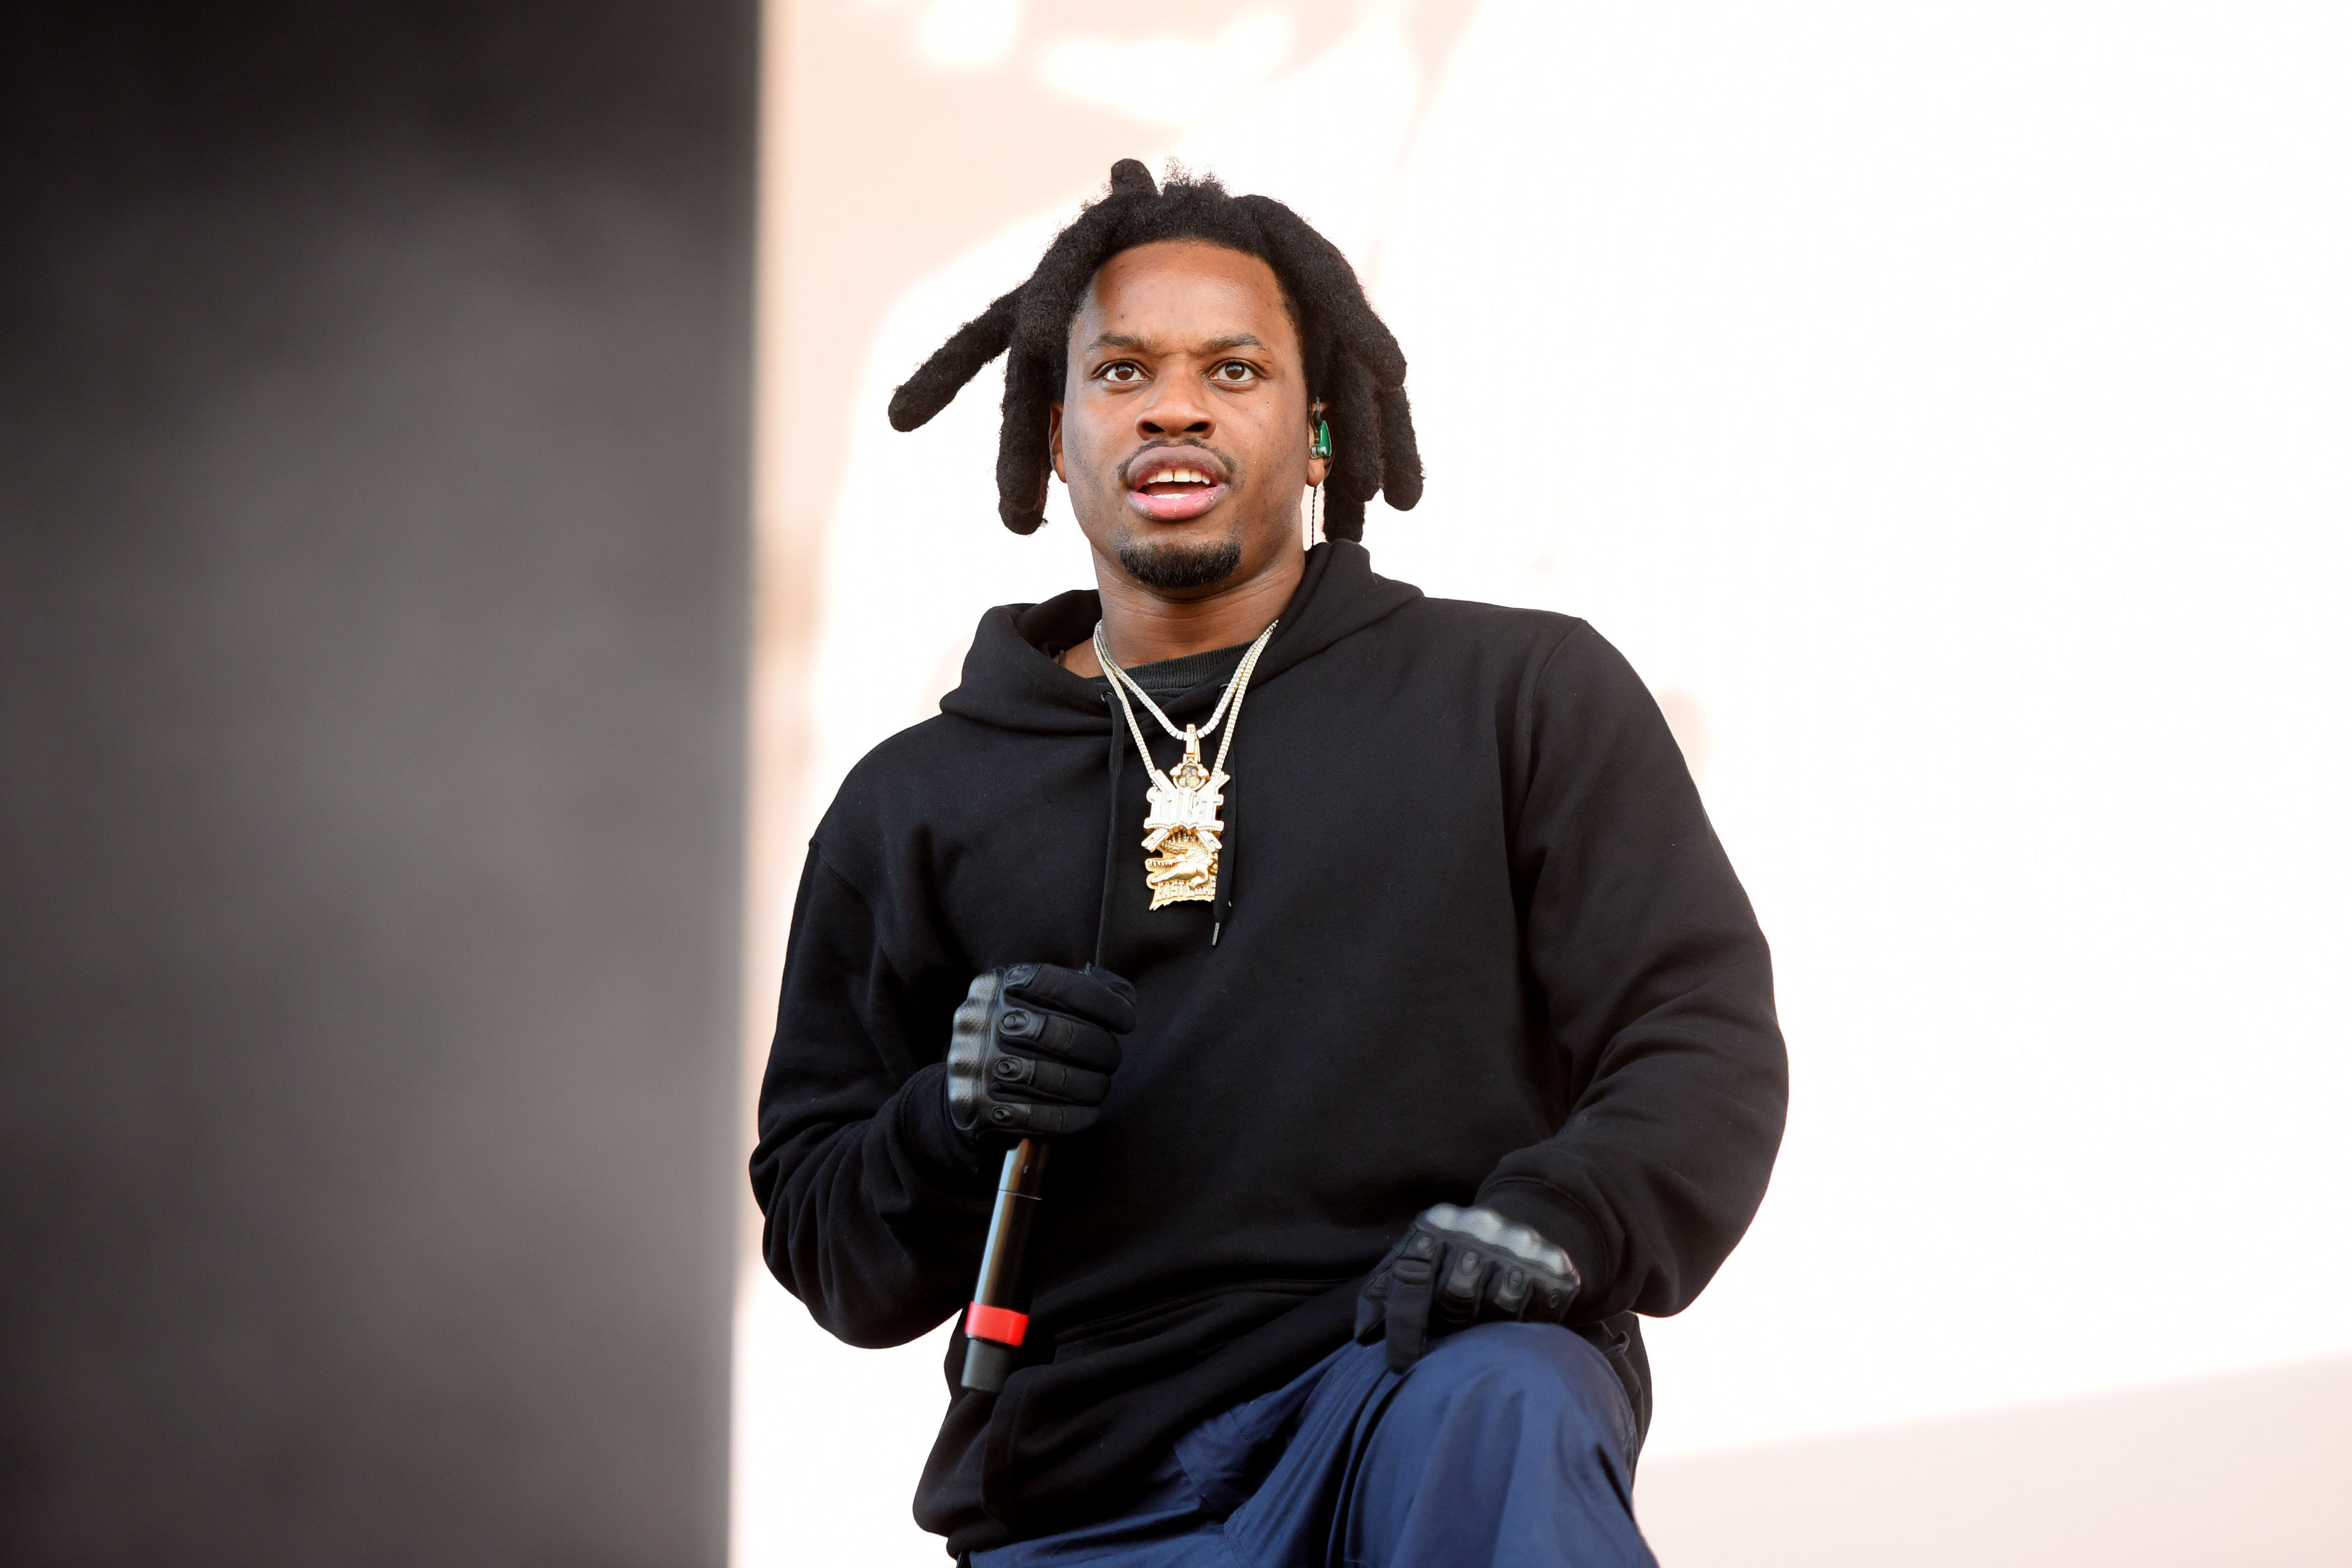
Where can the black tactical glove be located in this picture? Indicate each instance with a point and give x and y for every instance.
(1458, 1267)
(1033, 1048)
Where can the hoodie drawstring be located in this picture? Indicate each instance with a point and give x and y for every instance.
(1221, 907)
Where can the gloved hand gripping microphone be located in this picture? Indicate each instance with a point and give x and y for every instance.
(1030, 1056)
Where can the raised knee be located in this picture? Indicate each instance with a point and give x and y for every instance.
(1508, 1345)
(1536, 1368)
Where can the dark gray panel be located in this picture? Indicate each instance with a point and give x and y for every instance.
(373, 612)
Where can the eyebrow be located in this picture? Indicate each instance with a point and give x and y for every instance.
(1213, 345)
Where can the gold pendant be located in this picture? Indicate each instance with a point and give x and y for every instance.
(1180, 831)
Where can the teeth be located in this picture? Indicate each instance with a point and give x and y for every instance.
(1178, 477)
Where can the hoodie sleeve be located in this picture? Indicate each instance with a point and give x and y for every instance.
(875, 1205)
(1658, 988)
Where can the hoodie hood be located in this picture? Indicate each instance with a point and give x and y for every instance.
(1010, 683)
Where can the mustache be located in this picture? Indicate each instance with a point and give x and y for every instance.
(1226, 468)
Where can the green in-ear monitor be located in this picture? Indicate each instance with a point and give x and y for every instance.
(1322, 447)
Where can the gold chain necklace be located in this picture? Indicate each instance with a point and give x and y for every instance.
(1180, 827)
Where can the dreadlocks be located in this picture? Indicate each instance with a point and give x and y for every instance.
(1354, 367)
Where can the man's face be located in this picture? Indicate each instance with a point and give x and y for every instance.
(1182, 430)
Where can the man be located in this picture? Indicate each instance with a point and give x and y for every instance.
(1397, 1024)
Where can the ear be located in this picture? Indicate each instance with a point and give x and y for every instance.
(1054, 440)
(1318, 468)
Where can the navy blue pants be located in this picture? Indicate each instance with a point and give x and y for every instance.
(1507, 1444)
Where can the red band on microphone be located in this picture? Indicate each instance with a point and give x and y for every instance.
(1006, 1328)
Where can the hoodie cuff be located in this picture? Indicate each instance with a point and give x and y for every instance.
(1559, 1220)
(934, 1144)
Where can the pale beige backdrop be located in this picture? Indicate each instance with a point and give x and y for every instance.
(1944, 412)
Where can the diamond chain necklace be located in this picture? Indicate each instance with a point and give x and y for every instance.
(1181, 830)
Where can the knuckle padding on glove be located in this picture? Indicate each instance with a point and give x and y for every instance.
(1511, 1295)
(1018, 1065)
(1018, 1117)
(1091, 996)
(1040, 1082)
(1071, 1040)
(1458, 1267)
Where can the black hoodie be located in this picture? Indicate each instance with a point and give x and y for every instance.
(1475, 941)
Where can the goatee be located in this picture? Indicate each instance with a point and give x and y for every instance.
(1174, 568)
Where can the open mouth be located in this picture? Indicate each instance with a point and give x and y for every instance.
(1173, 489)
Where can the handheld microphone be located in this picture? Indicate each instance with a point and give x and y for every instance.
(998, 1318)
(997, 1322)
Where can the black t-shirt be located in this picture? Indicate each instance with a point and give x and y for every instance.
(1170, 678)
